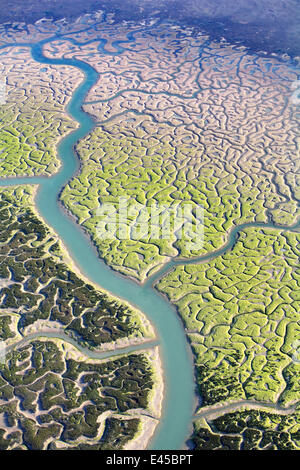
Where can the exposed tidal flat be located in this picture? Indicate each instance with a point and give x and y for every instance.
(279, 192)
(270, 26)
(180, 126)
(33, 117)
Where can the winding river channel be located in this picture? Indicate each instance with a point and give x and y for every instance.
(180, 390)
(179, 397)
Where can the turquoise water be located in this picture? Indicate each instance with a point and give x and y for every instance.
(180, 397)
(109, 354)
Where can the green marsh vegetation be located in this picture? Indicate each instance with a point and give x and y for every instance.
(241, 313)
(39, 285)
(248, 430)
(33, 118)
(52, 399)
(46, 397)
(148, 170)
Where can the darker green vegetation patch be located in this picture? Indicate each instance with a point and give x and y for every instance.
(50, 398)
(116, 434)
(249, 430)
(38, 286)
(5, 331)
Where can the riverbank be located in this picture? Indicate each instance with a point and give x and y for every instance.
(177, 369)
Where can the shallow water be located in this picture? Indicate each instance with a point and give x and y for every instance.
(180, 397)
